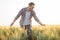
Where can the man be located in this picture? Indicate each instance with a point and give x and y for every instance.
(26, 15)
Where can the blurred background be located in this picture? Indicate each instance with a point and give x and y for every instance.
(48, 11)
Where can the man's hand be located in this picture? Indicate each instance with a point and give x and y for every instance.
(12, 23)
(42, 24)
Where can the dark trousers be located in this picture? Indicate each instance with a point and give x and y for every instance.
(29, 31)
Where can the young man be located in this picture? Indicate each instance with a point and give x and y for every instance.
(26, 15)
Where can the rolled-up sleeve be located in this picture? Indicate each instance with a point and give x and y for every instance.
(19, 13)
(35, 17)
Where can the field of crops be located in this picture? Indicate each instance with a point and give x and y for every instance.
(49, 32)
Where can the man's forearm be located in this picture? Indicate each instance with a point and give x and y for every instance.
(13, 22)
(35, 17)
(38, 21)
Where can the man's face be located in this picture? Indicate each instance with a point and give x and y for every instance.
(31, 7)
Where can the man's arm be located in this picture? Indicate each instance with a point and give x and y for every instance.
(36, 19)
(18, 15)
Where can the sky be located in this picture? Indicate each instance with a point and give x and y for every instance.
(48, 11)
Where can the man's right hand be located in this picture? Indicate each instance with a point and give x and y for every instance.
(12, 23)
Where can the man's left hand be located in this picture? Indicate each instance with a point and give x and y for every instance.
(42, 24)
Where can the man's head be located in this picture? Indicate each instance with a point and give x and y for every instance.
(31, 6)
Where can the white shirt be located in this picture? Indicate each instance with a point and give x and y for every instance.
(27, 16)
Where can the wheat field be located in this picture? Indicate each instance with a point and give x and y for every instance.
(48, 32)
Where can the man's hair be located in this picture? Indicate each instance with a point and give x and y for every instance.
(31, 3)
